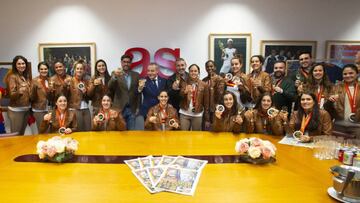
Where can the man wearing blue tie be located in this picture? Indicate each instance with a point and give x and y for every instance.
(151, 88)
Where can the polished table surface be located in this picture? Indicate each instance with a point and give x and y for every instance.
(296, 176)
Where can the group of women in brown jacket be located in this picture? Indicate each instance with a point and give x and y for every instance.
(235, 103)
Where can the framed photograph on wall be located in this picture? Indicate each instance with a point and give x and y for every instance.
(5, 70)
(223, 47)
(68, 53)
(341, 53)
(274, 50)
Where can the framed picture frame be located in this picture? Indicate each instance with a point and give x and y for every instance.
(284, 50)
(222, 48)
(340, 52)
(5, 70)
(68, 53)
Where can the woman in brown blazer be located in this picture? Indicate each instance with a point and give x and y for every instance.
(318, 83)
(346, 100)
(162, 116)
(78, 96)
(40, 94)
(58, 84)
(260, 81)
(239, 84)
(309, 119)
(231, 119)
(99, 84)
(259, 121)
(18, 83)
(60, 120)
(107, 119)
(194, 102)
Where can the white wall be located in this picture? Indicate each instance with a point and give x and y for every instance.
(118, 25)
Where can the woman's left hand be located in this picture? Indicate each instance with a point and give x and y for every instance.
(68, 131)
(238, 119)
(305, 138)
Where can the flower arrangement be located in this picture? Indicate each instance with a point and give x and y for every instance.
(57, 149)
(255, 150)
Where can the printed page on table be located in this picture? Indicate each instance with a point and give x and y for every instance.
(188, 163)
(134, 164)
(289, 140)
(167, 160)
(145, 162)
(143, 176)
(155, 161)
(178, 180)
(155, 173)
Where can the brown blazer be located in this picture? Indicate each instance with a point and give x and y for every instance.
(324, 128)
(123, 96)
(96, 92)
(115, 123)
(60, 88)
(54, 125)
(76, 95)
(216, 90)
(226, 124)
(266, 84)
(274, 126)
(340, 104)
(202, 98)
(18, 98)
(171, 112)
(39, 95)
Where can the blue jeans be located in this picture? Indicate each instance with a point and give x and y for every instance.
(129, 118)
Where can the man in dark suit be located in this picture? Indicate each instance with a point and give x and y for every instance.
(150, 90)
(123, 86)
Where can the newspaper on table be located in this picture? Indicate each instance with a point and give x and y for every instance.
(290, 140)
(167, 173)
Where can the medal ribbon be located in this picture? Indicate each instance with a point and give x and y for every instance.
(194, 95)
(352, 99)
(319, 94)
(277, 84)
(305, 74)
(60, 118)
(163, 115)
(305, 122)
(43, 83)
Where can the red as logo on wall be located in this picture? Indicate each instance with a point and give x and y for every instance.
(159, 58)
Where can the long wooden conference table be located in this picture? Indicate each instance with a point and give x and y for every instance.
(296, 176)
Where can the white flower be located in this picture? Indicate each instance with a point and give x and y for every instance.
(271, 146)
(40, 145)
(241, 146)
(58, 144)
(254, 141)
(254, 152)
(72, 145)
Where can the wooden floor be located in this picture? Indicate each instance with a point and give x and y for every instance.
(295, 177)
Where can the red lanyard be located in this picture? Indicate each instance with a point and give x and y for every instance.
(352, 99)
(320, 94)
(277, 84)
(194, 94)
(61, 79)
(305, 122)
(163, 115)
(306, 74)
(42, 81)
(61, 118)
